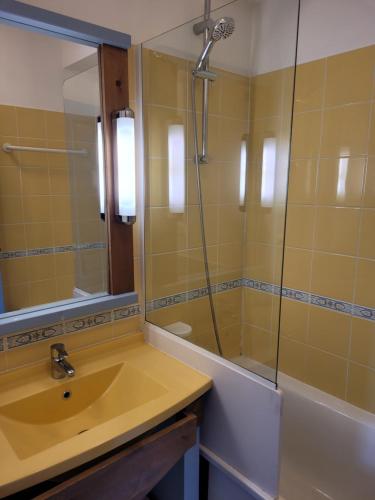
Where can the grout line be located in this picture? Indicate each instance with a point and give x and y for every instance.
(188, 111)
(335, 106)
(315, 220)
(358, 246)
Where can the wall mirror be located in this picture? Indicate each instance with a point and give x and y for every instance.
(52, 236)
(58, 234)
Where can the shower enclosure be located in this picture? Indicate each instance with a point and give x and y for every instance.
(217, 98)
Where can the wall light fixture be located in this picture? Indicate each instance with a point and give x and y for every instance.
(100, 160)
(124, 162)
(243, 172)
(176, 168)
(268, 172)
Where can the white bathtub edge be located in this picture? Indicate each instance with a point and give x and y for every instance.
(319, 397)
(241, 423)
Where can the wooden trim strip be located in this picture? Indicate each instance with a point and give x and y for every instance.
(113, 64)
(133, 472)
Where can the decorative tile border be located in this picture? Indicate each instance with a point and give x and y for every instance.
(89, 322)
(363, 312)
(198, 293)
(328, 303)
(310, 298)
(35, 335)
(76, 325)
(126, 312)
(32, 336)
(16, 254)
(262, 286)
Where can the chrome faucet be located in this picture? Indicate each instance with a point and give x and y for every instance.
(60, 368)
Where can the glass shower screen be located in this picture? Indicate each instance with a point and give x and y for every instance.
(217, 136)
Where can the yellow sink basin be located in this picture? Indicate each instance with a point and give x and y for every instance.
(121, 389)
(46, 418)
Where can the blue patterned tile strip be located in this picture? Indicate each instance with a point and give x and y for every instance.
(262, 286)
(34, 336)
(126, 312)
(88, 322)
(16, 254)
(71, 326)
(45, 333)
(198, 293)
(363, 312)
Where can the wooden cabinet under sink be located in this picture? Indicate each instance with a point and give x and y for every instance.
(129, 472)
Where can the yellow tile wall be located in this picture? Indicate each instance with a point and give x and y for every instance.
(330, 249)
(176, 237)
(270, 118)
(174, 256)
(39, 351)
(197, 314)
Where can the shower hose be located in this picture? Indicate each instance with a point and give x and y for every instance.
(201, 216)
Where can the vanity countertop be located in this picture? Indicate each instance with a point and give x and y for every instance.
(121, 389)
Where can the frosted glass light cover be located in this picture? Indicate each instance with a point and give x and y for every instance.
(243, 167)
(100, 152)
(342, 178)
(268, 172)
(125, 143)
(176, 168)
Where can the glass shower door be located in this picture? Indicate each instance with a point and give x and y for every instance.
(243, 182)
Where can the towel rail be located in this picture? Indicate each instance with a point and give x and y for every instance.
(8, 148)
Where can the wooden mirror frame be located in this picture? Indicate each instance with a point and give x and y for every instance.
(114, 80)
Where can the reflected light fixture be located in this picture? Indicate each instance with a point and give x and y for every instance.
(100, 159)
(341, 178)
(243, 168)
(124, 162)
(268, 172)
(176, 168)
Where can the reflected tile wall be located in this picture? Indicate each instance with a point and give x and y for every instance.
(48, 209)
(35, 208)
(86, 225)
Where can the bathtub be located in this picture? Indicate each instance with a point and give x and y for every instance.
(327, 446)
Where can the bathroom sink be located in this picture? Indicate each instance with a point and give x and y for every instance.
(37, 422)
(121, 389)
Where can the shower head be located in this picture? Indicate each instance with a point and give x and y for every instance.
(222, 28)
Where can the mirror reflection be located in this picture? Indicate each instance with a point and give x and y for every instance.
(52, 232)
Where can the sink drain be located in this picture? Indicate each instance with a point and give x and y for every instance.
(67, 394)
